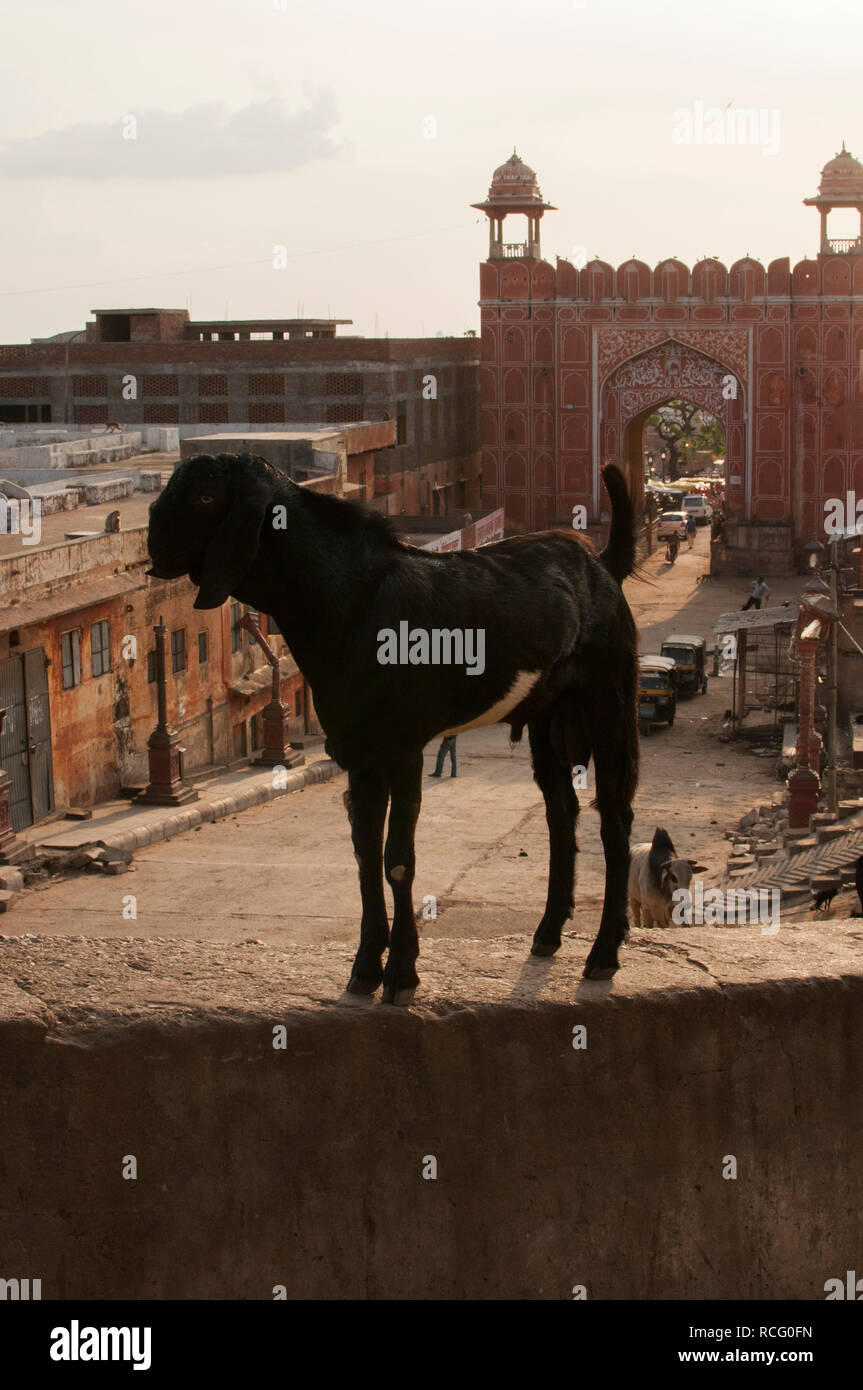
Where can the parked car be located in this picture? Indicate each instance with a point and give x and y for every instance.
(688, 654)
(694, 504)
(672, 524)
(657, 691)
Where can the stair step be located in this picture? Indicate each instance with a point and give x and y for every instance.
(802, 845)
(826, 833)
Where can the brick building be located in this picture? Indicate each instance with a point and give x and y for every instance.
(575, 360)
(77, 673)
(159, 367)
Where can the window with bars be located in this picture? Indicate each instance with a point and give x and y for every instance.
(70, 652)
(344, 384)
(178, 650)
(151, 667)
(265, 384)
(14, 386)
(216, 385)
(202, 648)
(161, 413)
(100, 647)
(344, 412)
(164, 384)
(93, 385)
(266, 413)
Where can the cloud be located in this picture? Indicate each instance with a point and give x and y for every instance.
(205, 141)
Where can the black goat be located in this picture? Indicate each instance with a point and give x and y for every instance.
(824, 899)
(559, 655)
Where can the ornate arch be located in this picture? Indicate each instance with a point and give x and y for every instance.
(672, 369)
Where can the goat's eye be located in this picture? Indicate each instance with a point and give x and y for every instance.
(205, 497)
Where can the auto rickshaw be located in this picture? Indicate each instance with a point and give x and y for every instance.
(689, 654)
(657, 691)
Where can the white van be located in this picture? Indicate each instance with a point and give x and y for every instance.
(699, 507)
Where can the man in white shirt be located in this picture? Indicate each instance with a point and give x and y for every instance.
(760, 590)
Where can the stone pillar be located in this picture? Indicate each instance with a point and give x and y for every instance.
(277, 747)
(165, 787)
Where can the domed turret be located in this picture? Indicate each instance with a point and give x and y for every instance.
(513, 189)
(841, 186)
(842, 176)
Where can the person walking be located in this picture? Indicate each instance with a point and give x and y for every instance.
(447, 746)
(760, 590)
(672, 548)
(691, 531)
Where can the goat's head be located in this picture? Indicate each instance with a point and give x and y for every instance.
(677, 873)
(676, 878)
(207, 522)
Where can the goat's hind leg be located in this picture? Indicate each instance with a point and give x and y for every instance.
(553, 775)
(366, 805)
(616, 765)
(405, 785)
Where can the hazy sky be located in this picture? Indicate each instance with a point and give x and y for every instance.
(308, 125)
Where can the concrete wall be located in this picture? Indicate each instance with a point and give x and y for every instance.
(72, 453)
(556, 1167)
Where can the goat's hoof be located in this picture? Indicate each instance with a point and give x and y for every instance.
(400, 997)
(544, 948)
(358, 986)
(600, 972)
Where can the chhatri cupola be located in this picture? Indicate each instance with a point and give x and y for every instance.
(513, 189)
(841, 186)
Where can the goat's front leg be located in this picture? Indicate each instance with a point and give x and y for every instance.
(366, 805)
(405, 785)
(561, 813)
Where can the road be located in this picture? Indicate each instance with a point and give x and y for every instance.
(285, 872)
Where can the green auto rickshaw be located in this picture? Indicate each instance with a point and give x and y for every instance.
(657, 691)
(689, 655)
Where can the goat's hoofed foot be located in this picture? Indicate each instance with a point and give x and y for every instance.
(400, 983)
(544, 948)
(357, 985)
(597, 972)
(400, 997)
(602, 962)
(546, 939)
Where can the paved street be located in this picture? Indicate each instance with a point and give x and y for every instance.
(284, 871)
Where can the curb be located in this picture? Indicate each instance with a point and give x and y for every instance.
(190, 817)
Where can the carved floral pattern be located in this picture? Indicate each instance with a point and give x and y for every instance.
(728, 346)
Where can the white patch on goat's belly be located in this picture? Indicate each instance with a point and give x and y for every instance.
(518, 691)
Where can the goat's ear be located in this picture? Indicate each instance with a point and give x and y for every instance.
(696, 867)
(232, 550)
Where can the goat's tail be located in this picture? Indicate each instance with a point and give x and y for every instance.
(619, 553)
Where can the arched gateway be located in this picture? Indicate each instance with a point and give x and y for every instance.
(574, 357)
(670, 369)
